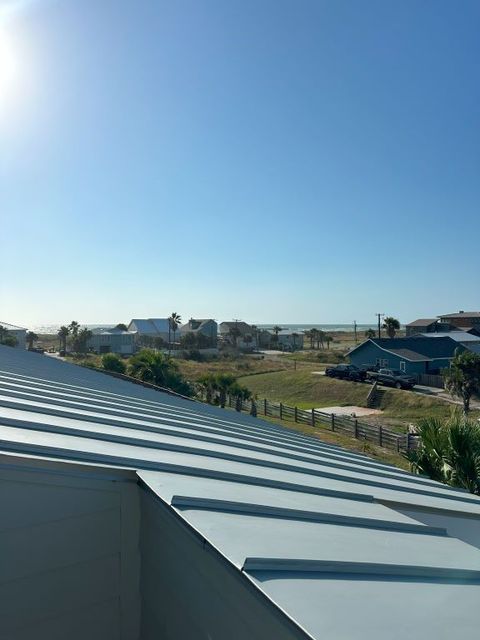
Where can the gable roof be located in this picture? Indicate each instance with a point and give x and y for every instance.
(422, 322)
(150, 326)
(458, 336)
(11, 327)
(416, 348)
(339, 534)
(243, 327)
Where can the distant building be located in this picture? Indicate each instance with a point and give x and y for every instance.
(206, 326)
(247, 334)
(285, 339)
(422, 325)
(463, 337)
(112, 341)
(415, 355)
(463, 319)
(16, 332)
(151, 327)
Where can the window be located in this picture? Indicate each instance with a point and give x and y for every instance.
(403, 365)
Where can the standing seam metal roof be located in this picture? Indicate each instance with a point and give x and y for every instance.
(309, 524)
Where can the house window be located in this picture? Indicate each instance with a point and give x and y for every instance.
(384, 363)
(378, 362)
(402, 365)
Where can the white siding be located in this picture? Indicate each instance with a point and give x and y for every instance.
(70, 564)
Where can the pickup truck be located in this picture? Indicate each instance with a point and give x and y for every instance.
(346, 372)
(393, 378)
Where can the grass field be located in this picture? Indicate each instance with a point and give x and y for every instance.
(304, 390)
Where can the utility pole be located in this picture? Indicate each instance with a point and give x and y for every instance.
(355, 330)
(379, 316)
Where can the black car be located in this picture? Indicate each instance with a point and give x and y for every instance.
(346, 372)
(394, 378)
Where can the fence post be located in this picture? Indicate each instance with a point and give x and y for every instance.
(238, 404)
(333, 421)
(281, 411)
(264, 406)
(356, 428)
(296, 414)
(398, 444)
(313, 417)
(380, 435)
(408, 441)
(253, 409)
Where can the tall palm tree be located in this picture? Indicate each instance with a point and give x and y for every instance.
(173, 324)
(31, 338)
(276, 330)
(63, 335)
(391, 326)
(74, 328)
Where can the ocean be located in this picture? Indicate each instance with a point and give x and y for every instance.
(298, 328)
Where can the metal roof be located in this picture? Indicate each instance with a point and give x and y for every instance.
(316, 528)
(150, 326)
(11, 327)
(462, 314)
(458, 336)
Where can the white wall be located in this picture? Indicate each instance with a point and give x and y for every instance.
(69, 555)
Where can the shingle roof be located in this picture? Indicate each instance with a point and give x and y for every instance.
(422, 322)
(315, 528)
(421, 345)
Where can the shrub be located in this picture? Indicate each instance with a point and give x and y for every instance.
(113, 362)
(159, 369)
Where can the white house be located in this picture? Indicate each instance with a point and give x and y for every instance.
(16, 332)
(151, 327)
(113, 340)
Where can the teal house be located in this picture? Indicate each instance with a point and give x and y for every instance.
(414, 355)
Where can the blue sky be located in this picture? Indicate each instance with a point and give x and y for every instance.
(267, 160)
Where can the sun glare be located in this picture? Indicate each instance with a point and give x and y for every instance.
(8, 67)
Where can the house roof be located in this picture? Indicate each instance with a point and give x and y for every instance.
(11, 327)
(308, 525)
(200, 322)
(458, 336)
(463, 314)
(114, 331)
(243, 327)
(422, 322)
(150, 326)
(416, 348)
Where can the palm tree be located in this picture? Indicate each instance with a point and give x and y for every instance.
(63, 335)
(449, 452)
(173, 324)
(328, 339)
(370, 333)
(391, 326)
(74, 328)
(31, 338)
(310, 336)
(159, 369)
(462, 379)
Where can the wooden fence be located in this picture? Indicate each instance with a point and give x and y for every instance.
(349, 425)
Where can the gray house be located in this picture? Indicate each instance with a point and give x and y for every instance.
(206, 326)
(113, 340)
(130, 514)
(19, 333)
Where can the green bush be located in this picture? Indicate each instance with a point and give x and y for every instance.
(113, 362)
(159, 369)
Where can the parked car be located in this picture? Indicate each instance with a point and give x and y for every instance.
(346, 372)
(393, 378)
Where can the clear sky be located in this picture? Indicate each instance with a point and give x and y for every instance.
(269, 160)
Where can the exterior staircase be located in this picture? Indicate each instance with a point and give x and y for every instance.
(375, 396)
